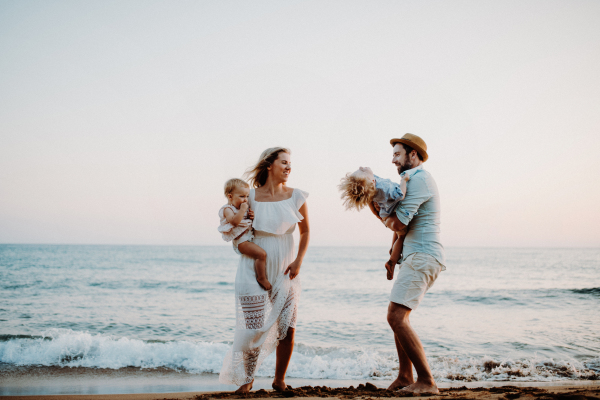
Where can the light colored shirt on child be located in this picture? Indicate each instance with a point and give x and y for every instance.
(228, 231)
(388, 196)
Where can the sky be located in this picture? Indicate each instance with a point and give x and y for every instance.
(121, 121)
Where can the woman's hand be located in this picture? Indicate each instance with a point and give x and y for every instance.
(293, 269)
(250, 214)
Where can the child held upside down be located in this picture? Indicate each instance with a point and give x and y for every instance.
(361, 188)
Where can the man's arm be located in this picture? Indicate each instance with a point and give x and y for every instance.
(418, 194)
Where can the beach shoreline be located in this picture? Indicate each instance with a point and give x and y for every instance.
(565, 390)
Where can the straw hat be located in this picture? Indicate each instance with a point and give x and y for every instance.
(415, 142)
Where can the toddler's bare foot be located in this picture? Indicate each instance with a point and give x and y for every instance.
(390, 266)
(264, 283)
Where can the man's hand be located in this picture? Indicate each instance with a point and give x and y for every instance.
(376, 206)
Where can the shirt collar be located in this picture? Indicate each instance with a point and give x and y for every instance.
(412, 171)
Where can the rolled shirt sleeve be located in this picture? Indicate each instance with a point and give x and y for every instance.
(417, 192)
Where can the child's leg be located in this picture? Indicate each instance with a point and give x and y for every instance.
(392, 222)
(260, 262)
(395, 255)
(394, 238)
(397, 248)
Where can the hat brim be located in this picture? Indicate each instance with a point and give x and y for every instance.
(415, 146)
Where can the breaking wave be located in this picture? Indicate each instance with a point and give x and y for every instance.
(67, 348)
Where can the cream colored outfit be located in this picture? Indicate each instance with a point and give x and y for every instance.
(263, 318)
(236, 234)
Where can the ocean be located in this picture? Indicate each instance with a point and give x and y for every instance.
(72, 316)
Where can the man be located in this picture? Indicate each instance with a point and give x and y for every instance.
(422, 260)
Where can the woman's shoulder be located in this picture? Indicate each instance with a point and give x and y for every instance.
(299, 197)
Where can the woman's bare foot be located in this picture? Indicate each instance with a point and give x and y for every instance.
(422, 388)
(245, 388)
(390, 266)
(399, 384)
(280, 386)
(264, 283)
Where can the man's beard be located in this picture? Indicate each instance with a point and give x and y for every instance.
(404, 167)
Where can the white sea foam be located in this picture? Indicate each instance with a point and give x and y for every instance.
(82, 349)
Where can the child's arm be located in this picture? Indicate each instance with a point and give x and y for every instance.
(403, 181)
(235, 218)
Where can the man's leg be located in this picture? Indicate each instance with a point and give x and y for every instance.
(407, 339)
(405, 375)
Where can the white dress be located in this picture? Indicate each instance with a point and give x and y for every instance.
(263, 318)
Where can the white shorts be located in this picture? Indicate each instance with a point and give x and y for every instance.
(416, 275)
(247, 236)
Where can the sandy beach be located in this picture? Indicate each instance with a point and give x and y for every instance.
(565, 391)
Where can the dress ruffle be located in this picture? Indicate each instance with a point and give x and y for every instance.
(278, 216)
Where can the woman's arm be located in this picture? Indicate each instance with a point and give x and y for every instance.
(304, 227)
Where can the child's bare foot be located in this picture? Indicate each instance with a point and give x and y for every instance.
(390, 266)
(264, 283)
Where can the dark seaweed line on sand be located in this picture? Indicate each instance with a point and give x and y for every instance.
(368, 391)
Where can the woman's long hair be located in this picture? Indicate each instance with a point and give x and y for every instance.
(258, 174)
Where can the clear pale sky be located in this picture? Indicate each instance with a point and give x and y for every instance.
(120, 121)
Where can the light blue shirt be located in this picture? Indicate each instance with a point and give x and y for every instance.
(420, 211)
(387, 196)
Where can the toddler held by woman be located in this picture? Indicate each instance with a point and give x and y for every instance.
(362, 188)
(236, 225)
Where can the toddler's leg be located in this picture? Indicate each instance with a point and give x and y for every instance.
(393, 223)
(260, 262)
(395, 255)
(394, 238)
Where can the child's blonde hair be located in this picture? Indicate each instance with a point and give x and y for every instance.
(234, 183)
(357, 192)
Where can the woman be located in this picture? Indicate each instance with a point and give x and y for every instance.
(267, 320)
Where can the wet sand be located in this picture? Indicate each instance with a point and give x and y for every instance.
(368, 391)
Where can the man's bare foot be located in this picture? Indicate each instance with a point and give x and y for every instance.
(422, 388)
(264, 283)
(399, 384)
(280, 386)
(390, 266)
(245, 388)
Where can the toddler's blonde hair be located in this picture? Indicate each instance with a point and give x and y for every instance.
(356, 192)
(234, 183)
